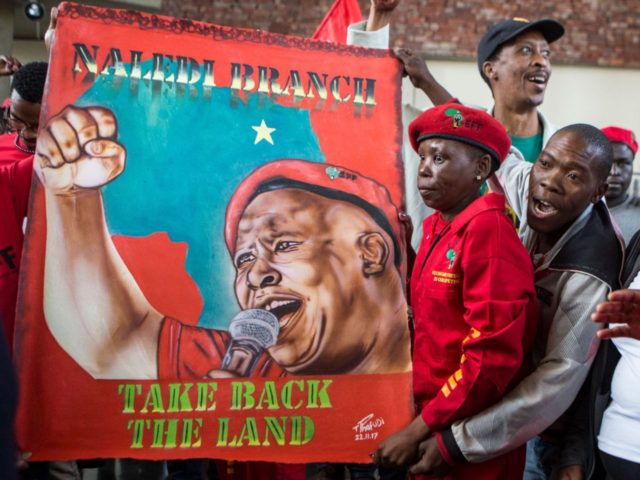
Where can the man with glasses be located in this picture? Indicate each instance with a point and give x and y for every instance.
(16, 160)
(21, 116)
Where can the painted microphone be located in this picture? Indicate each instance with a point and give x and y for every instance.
(252, 331)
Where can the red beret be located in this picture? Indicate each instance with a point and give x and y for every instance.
(322, 179)
(455, 121)
(622, 135)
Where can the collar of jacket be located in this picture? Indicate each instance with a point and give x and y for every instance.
(595, 249)
(490, 201)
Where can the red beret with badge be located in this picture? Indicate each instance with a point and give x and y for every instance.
(329, 181)
(622, 135)
(454, 121)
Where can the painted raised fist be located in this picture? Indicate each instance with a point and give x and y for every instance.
(77, 150)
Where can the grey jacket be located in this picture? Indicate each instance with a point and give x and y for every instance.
(571, 279)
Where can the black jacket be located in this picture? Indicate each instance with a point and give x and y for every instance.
(581, 441)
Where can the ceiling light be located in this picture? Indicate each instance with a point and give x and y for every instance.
(34, 11)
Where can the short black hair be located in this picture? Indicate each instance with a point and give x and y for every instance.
(596, 143)
(29, 81)
(376, 213)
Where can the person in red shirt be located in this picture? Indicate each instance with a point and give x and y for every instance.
(15, 181)
(472, 288)
(23, 112)
(16, 164)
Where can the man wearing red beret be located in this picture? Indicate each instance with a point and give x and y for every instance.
(472, 291)
(316, 246)
(624, 211)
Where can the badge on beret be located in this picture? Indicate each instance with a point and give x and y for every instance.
(332, 172)
(457, 116)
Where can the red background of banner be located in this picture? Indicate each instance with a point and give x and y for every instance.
(66, 414)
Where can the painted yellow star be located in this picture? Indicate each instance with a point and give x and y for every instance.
(263, 133)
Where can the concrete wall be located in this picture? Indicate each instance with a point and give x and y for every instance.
(576, 94)
(600, 96)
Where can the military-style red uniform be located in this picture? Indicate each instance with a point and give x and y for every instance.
(475, 312)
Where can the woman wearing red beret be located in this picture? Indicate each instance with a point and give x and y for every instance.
(472, 289)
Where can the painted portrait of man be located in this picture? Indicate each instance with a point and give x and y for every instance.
(315, 245)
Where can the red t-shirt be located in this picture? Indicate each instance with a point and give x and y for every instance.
(15, 182)
(185, 352)
(9, 153)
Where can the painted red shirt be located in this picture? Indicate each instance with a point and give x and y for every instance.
(185, 351)
(15, 182)
(475, 312)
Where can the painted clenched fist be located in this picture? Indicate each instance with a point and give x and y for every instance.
(77, 150)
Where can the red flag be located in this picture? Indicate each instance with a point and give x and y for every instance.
(333, 27)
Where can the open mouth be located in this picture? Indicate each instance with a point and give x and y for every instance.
(539, 79)
(283, 309)
(543, 209)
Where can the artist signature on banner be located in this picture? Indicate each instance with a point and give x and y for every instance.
(365, 428)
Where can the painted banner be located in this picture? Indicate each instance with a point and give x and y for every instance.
(214, 264)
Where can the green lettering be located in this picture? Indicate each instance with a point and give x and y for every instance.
(297, 437)
(314, 394)
(206, 392)
(240, 390)
(190, 433)
(154, 399)
(130, 391)
(249, 432)
(179, 402)
(138, 431)
(276, 430)
(286, 395)
(268, 395)
(223, 432)
(168, 435)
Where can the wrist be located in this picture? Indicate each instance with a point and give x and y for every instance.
(425, 82)
(419, 430)
(377, 20)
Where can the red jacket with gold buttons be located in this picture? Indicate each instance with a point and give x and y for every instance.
(475, 312)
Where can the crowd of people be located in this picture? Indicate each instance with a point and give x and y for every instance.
(525, 291)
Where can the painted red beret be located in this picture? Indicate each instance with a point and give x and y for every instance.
(455, 121)
(622, 135)
(329, 181)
